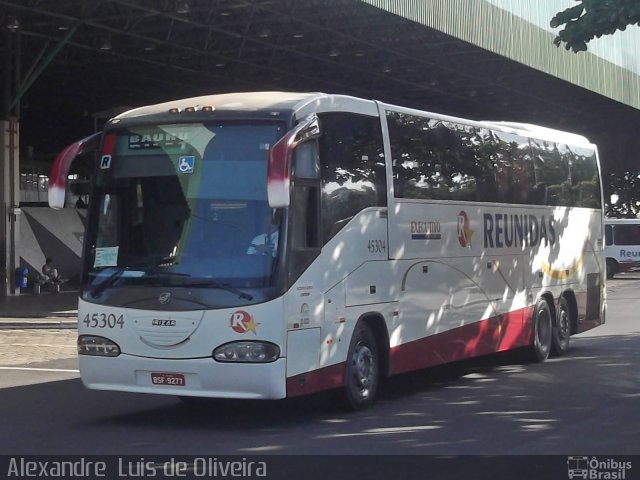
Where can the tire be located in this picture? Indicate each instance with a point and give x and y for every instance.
(561, 329)
(542, 332)
(362, 374)
(612, 267)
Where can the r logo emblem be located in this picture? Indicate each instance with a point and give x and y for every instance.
(242, 322)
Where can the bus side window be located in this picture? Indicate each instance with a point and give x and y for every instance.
(352, 169)
(306, 171)
(503, 176)
(626, 235)
(520, 191)
(304, 231)
(304, 211)
(487, 188)
(608, 235)
(538, 194)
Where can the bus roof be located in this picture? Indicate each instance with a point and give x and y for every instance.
(245, 101)
(302, 103)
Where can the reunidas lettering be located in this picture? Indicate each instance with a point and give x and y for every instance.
(503, 230)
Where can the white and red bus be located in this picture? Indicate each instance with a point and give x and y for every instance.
(388, 240)
(622, 245)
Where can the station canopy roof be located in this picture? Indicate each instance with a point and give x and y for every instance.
(82, 61)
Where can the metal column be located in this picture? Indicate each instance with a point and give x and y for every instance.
(10, 195)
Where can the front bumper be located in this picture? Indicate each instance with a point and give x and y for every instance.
(204, 377)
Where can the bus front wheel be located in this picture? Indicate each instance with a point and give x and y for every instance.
(362, 374)
(542, 332)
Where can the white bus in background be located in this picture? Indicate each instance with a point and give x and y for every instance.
(622, 245)
(389, 240)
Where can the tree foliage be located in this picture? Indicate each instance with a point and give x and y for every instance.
(626, 187)
(594, 18)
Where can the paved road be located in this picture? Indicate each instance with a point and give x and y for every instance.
(35, 356)
(584, 403)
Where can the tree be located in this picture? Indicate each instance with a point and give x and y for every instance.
(625, 188)
(593, 18)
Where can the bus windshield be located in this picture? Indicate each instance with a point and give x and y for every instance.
(184, 205)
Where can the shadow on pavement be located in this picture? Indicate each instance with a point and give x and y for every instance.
(45, 305)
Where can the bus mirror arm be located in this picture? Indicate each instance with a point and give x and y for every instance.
(279, 167)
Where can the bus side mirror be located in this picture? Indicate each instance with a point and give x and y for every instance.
(279, 167)
(60, 168)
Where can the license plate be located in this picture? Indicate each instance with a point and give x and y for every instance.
(173, 379)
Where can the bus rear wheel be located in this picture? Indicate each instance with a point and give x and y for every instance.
(363, 369)
(542, 332)
(561, 328)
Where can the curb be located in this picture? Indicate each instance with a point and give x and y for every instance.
(71, 315)
(36, 326)
(38, 323)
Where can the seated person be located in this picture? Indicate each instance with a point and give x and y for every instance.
(50, 272)
(265, 243)
(81, 203)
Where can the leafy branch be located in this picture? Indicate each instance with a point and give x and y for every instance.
(593, 18)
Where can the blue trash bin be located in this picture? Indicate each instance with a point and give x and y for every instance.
(22, 276)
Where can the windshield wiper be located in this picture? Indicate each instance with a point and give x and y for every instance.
(113, 278)
(218, 285)
(157, 271)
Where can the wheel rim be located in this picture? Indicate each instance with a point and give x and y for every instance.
(563, 326)
(544, 330)
(363, 370)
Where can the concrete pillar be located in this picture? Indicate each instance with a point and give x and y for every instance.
(10, 198)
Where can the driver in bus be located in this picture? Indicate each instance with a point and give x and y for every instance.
(266, 243)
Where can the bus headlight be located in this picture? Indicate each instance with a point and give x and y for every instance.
(98, 346)
(247, 352)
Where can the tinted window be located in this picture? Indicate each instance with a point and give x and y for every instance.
(569, 174)
(352, 168)
(510, 158)
(179, 202)
(626, 234)
(608, 235)
(441, 160)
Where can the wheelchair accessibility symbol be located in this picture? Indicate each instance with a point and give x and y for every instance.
(186, 164)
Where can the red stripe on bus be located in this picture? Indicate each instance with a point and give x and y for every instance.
(496, 334)
(316, 380)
